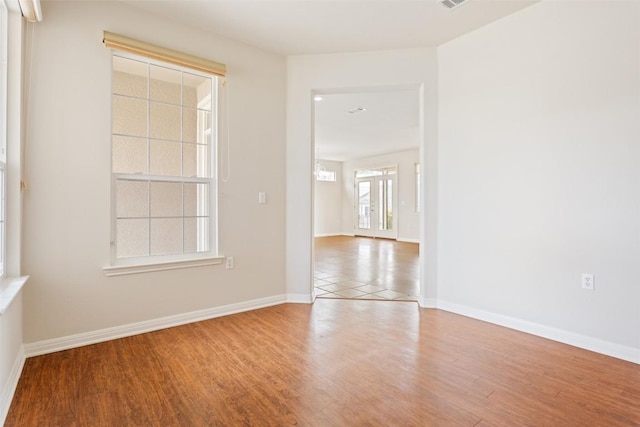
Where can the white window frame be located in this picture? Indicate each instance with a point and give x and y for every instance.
(326, 175)
(12, 116)
(131, 265)
(4, 107)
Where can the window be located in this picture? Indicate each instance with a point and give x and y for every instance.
(326, 175)
(163, 161)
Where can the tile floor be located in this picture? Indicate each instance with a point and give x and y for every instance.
(328, 286)
(366, 268)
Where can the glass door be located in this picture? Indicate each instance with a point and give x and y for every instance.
(385, 226)
(374, 206)
(364, 206)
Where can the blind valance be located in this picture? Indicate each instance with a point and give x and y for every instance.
(148, 50)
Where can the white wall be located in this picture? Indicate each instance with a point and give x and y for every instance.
(67, 206)
(327, 214)
(337, 73)
(408, 219)
(539, 169)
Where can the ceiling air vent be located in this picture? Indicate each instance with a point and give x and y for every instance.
(452, 4)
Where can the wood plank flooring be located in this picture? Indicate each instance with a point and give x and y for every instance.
(333, 363)
(366, 268)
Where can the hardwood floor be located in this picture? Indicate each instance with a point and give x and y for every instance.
(333, 363)
(366, 268)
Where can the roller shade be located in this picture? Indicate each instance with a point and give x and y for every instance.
(31, 10)
(148, 50)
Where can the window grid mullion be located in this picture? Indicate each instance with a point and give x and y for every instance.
(182, 152)
(149, 158)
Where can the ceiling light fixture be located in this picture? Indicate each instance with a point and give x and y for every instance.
(356, 110)
(452, 4)
(318, 98)
(318, 167)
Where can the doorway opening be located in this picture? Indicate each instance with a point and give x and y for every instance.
(366, 225)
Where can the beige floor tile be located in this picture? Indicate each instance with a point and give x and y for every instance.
(320, 282)
(370, 288)
(320, 291)
(334, 287)
(321, 275)
(387, 294)
(350, 284)
(350, 293)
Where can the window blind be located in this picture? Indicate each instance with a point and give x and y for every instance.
(148, 50)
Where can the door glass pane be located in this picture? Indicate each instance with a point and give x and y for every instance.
(364, 205)
(385, 200)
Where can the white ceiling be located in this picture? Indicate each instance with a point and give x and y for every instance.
(293, 27)
(389, 123)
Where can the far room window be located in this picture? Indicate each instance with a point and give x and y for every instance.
(326, 175)
(163, 160)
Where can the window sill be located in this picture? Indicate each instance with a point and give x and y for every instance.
(10, 287)
(121, 270)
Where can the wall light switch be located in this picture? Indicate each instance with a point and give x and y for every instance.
(262, 198)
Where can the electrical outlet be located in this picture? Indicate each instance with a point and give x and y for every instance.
(587, 281)
(229, 262)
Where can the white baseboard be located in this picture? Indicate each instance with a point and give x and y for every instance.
(101, 335)
(10, 386)
(402, 239)
(300, 298)
(427, 302)
(399, 239)
(327, 234)
(618, 351)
